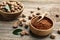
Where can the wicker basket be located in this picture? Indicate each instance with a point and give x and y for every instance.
(10, 16)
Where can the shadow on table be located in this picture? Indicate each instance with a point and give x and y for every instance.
(36, 36)
(4, 19)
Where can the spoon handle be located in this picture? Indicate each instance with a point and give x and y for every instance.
(42, 16)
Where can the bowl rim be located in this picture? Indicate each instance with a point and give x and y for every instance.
(14, 12)
(42, 29)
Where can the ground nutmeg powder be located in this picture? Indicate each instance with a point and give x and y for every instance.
(44, 24)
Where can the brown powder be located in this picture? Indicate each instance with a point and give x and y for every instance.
(45, 23)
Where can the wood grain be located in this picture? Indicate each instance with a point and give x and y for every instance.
(45, 5)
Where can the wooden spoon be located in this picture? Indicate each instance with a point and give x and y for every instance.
(41, 16)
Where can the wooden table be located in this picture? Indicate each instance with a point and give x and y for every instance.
(6, 26)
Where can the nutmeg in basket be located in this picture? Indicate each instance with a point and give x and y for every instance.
(12, 6)
(4, 3)
(1, 4)
(19, 8)
(18, 3)
(8, 2)
(12, 10)
(16, 8)
(1, 7)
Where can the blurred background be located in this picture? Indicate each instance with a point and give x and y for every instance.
(42, 1)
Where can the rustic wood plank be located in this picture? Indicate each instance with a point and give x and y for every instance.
(6, 27)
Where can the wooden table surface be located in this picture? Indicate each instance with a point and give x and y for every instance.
(6, 26)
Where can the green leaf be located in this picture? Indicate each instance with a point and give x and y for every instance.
(17, 31)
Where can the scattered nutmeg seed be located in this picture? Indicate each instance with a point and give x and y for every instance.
(37, 13)
(31, 11)
(15, 25)
(22, 33)
(27, 33)
(57, 15)
(21, 19)
(29, 17)
(38, 8)
(21, 24)
(58, 31)
(26, 26)
(24, 20)
(23, 16)
(52, 36)
(33, 15)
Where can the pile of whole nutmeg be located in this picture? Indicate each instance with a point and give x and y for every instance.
(10, 6)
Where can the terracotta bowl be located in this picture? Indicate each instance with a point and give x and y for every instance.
(41, 32)
(10, 15)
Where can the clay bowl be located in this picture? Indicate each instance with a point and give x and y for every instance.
(10, 16)
(41, 32)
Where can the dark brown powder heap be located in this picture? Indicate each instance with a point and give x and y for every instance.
(44, 24)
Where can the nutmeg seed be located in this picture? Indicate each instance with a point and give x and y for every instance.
(52, 36)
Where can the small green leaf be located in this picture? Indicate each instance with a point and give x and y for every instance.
(7, 7)
(17, 31)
